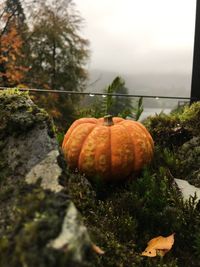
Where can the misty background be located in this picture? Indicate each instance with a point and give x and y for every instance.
(148, 43)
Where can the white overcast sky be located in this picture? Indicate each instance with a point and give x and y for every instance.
(134, 36)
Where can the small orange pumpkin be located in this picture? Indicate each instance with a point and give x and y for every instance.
(109, 148)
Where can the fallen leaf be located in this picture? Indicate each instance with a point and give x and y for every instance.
(97, 249)
(159, 246)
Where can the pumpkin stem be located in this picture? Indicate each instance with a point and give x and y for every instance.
(108, 121)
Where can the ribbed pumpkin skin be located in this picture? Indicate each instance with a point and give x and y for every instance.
(109, 152)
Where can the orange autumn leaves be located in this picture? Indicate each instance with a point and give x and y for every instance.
(10, 53)
(159, 246)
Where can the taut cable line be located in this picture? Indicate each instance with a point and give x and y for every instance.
(42, 90)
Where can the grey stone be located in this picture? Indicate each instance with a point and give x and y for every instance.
(73, 236)
(48, 171)
(187, 189)
(29, 149)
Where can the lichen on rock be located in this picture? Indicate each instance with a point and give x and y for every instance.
(24, 129)
(72, 232)
(33, 203)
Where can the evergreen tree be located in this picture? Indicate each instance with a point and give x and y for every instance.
(118, 105)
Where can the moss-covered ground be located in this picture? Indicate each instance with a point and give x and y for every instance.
(123, 218)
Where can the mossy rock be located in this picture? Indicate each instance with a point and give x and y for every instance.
(24, 127)
(190, 117)
(30, 222)
(167, 131)
(173, 130)
(18, 113)
(36, 214)
(177, 135)
(189, 161)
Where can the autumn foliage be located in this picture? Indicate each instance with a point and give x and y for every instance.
(11, 44)
(41, 47)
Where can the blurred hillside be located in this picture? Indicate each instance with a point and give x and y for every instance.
(162, 84)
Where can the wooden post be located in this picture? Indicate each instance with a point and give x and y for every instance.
(195, 90)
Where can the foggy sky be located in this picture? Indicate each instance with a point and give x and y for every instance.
(134, 36)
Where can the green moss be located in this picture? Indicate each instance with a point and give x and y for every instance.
(30, 218)
(175, 129)
(12, 91)
(122, 221)
(168, 130)
(123, 218)
(60, 137)
(190, 118)
(188, 158)
(19, 114)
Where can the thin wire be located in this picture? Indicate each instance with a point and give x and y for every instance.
(94, 93)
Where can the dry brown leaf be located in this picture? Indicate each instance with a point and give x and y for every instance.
(97, 249)
(159, 246)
